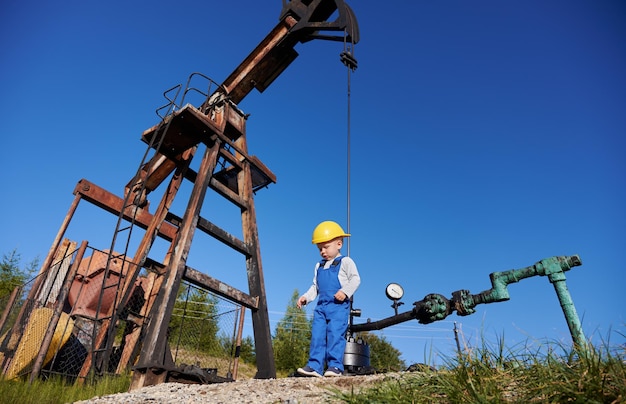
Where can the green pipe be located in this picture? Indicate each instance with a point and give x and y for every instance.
(557, 278)
(435, 307)
(554, 268)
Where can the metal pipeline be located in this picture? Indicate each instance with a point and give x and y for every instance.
(435, 307)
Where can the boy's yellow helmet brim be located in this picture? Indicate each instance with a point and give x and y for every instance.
(327, 231)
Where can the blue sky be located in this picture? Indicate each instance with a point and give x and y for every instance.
(485, 136)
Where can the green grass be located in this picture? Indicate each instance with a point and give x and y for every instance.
(549, 373)
(494, 374)
(57, 391)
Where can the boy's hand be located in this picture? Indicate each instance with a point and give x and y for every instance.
(301, 302)
(340, 296)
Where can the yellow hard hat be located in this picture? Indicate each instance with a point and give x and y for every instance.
(327, 231)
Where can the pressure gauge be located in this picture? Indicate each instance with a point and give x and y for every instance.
(394, 291)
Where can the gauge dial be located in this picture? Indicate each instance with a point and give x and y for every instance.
(394, 291)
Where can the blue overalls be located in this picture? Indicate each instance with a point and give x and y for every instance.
(330, 320)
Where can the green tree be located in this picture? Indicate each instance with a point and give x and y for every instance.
(194, 323)
(292, 337)
(247, 353)
(383, 355)
(246, 350)
(11, 275)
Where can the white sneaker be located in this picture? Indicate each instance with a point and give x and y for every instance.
(308, 371)
(332, 372)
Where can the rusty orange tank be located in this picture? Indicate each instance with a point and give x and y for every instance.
(91, 295)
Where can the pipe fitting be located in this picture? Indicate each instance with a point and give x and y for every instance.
(436, 307)
(463, 302)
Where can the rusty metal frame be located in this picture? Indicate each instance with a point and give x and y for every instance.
(220, 126)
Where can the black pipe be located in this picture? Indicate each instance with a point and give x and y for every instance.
(389, 321)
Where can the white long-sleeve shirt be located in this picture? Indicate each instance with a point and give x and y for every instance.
(349, 278)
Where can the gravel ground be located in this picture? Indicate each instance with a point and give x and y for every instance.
(290, 390)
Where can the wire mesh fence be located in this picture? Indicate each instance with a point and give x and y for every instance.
(68, 320)
(203, 330)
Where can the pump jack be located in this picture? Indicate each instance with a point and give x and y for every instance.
(217, 125)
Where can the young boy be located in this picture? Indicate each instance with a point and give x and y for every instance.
(335, 280)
